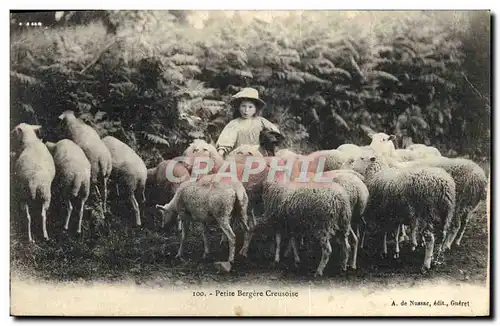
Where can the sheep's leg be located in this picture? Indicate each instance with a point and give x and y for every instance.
(28, 217)
(183, 238)
(362, 231)
(288, 249)
(358, 235)
(141, 196)
(80, 215)
(355, 250)
(68, 214)
(105, 191)
(414, 229)
(464, 221)
(384, 245)
(397, 239)
(45, 207)
(137, 211)
(247, 234)
(204, 234)
(345, 249)
(294, 245)
(254, 220)
(246, 243)
(404, 236)
(429, 249)
(326, 250)
(179, 224)
(231, 237)
(440, 242)
(278, 247)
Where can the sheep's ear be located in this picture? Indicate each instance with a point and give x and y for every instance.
(392, 137)
(36, 127)
(372, 158)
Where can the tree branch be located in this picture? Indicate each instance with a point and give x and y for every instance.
(476, 90)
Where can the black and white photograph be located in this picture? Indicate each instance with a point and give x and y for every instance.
(250, 162)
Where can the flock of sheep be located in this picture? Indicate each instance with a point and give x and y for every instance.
(413, 194)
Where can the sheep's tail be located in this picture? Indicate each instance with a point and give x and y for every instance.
(78, 183)
(240, 207)
(41, 193)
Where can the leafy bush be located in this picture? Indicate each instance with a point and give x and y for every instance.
(321, 74)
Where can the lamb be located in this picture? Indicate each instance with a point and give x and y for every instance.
(422, 197)
(72, 177)
(205, 199)
(94, 148)
(34, 172)
(130, 173)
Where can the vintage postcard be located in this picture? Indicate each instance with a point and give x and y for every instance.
(250, 163)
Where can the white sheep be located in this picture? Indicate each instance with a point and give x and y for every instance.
(34, 172)
(382, 143)
(406, 155)
(333, 159)
(358, 194)
(422, 197)
(72, 177)
(354, 151)
(130, 173)
(308, 208)
(94, 148)
(286, 154)
(470, 180)
(209, 199)
(471, 188)
(319, 210)
(423, 151)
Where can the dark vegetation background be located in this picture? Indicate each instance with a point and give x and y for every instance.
(158, 79)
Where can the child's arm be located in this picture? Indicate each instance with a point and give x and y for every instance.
(227, 138)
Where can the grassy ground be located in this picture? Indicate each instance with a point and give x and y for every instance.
(147, 257)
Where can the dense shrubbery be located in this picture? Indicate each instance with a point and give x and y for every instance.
(323, 75)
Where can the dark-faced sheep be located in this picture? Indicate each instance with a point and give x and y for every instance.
(34, 172)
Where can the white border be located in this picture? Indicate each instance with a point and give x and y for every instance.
(184, 4)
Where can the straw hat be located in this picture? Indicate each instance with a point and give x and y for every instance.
(249, 94)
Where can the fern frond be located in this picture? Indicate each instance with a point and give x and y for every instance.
(155, 139)
(24, 79)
